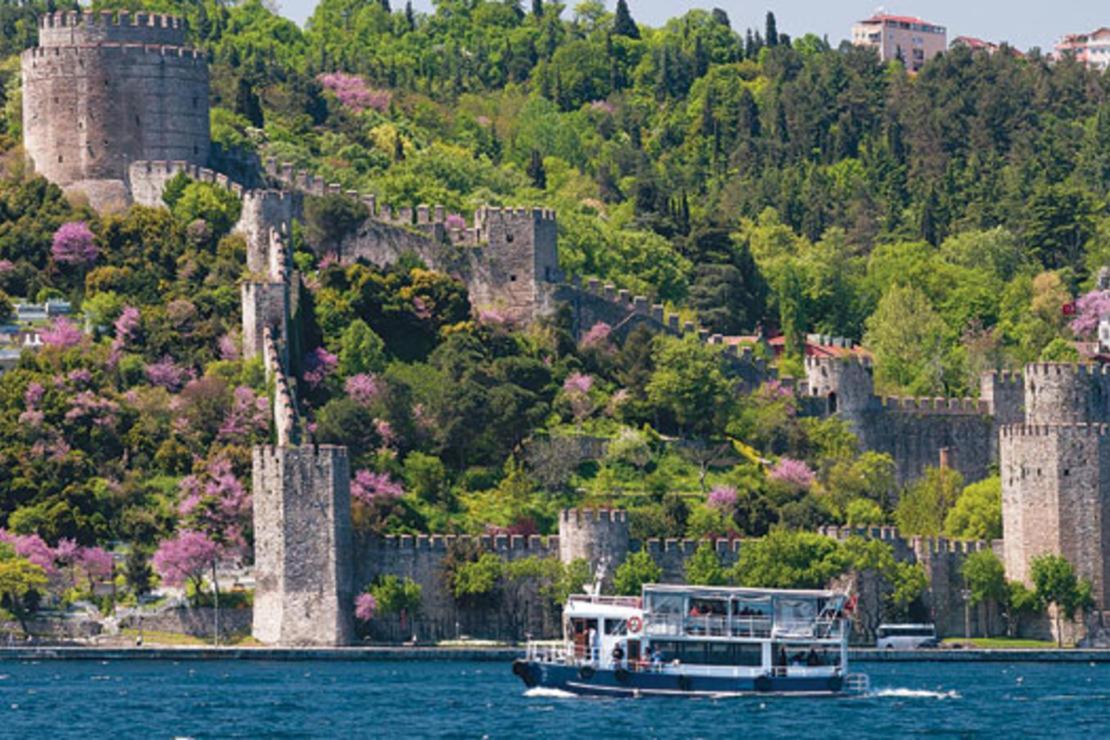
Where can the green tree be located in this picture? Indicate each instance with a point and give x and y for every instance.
(985, 577)
(977, 513)
(396, 595)
(216, 206)
(925, 504)
(360, 350)
(477, 581)
(688, 385)
(704, 567)
(18, 578)
(862, 512)
(637, 569)
(788, 559)
(907, 338)
(623, 25)
(1056, 584)
(330, 219)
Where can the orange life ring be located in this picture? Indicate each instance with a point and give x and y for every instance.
(635, 624)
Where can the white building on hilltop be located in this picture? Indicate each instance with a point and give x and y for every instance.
(1091, 49)
(909, 40)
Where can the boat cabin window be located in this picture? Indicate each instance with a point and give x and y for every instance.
(802, 654)
(616, 626)
(708, 607)
(708, 653)
(793, 611)
(665, 604)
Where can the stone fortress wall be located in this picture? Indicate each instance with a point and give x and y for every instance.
(1055, 468)
(914, 431)
(103, 90)
(116, 104)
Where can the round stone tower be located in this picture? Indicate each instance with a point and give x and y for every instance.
(598, 536)
(103, 90)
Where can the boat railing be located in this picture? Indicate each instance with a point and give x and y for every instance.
(670, 625)
(632, 601)
(808, 629)
(551, 651)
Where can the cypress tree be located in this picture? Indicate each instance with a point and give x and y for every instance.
(623, 25)
(537, 172)
(537, 8)
(385, 6)
(771, 33)
(410, 17)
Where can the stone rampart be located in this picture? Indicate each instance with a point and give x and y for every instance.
(1063, 393)
(148, 180)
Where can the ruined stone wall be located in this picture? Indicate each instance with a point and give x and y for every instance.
(99, 95)
(304, 557)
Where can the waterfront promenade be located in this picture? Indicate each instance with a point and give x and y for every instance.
(498, 654)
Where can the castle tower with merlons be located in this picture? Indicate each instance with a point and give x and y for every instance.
(102, 90)
(1055, 469)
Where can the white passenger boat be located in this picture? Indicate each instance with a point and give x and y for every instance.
(699, 641)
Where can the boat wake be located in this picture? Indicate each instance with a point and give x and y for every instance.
(546, 693)
(914, 694)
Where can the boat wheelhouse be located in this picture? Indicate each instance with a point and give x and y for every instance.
(698, 640)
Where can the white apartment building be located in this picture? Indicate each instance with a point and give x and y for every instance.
(898, 37)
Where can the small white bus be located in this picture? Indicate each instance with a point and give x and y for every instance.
(906, 636)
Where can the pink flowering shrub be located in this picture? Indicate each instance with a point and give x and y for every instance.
(96, 562)
(454, 221)
(578, 383)
(365, 606)
(188, 556)
(1089, 310)
(127, 324)
(353, 93)
(722, 498)
(216, 503)
(602, 106)
(6, 266)
(62, 334)
(369, 487)
(362, 388)
(229, 348)
(88, 406)
(318, 365)
(793, 473)
(74, 244)
(32, 547)
(249, 414)
(168, 374)
(598, 335)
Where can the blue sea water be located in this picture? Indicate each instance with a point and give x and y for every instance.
(167, 699)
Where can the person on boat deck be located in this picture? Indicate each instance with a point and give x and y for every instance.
(782, 656)
(694, 611)
(591, 638)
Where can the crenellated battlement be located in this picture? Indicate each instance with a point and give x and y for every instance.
(110, 19)
(163, 170)
(1054, 430)
(1004, 378)
(500, 543)
(939, 406)
(917, 544)
(598, 516)
(814, 363)
(1063, 369)
(661, 548)
(886, 534)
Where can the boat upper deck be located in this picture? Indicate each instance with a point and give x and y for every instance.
(743, 613)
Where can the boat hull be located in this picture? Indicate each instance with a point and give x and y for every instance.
(607, 682)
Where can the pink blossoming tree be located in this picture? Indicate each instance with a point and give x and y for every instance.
(793, 473)
(354, 94)
(318, 365)
(362, 388)
(368, 487)
(722, 498)
(62, 334)
(1089, 310)
(74, 244)
(186, 558)
(365, 606)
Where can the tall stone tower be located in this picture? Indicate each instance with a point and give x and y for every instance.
(103, 90)
(1055, 471)
(521, 255)
(598, 536)
(302, 553)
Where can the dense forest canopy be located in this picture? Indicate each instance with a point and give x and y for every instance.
(748, 177)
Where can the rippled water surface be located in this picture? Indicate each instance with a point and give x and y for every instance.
(397, 699)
